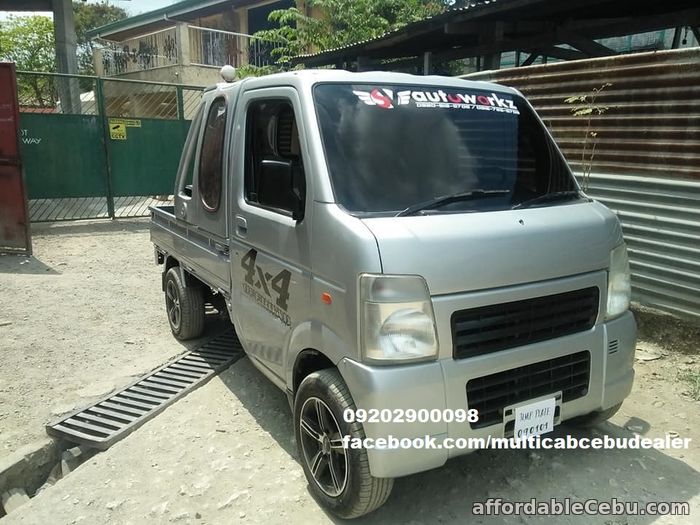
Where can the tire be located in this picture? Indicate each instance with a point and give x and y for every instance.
(184, 306)
(358, 493)
(594, 418)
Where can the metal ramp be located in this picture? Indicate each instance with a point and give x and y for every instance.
(106, 422)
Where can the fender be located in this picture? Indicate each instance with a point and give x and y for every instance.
(313, 335)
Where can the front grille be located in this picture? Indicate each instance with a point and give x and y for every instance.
(508, 325)
(491, 394)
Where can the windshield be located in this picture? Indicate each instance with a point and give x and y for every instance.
(390, 147)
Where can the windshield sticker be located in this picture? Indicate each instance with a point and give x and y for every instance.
(384, 98)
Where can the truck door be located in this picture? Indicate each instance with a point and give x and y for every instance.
(271, 259)
(202, 189)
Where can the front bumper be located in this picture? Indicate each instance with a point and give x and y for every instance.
(442, 385)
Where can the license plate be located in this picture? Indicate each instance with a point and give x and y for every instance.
(535, 418)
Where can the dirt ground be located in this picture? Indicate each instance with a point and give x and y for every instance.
(82, 317)
(226, 452)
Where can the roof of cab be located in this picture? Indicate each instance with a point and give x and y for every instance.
(308, 77)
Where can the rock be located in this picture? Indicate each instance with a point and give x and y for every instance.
(635, 428)
(59, 410)
(114, 504)
(241, 515)
(159, 510)
(13, 499)
(643, 355)
(672, 433)
(55, 474)
(97, 390)
(5, 323)
(231, 499)
(198, 516)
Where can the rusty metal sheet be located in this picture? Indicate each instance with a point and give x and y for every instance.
(14, 218)
(647, 162)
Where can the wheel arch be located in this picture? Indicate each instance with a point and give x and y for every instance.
(307, 362)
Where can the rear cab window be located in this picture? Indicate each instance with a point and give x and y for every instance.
(212, 156)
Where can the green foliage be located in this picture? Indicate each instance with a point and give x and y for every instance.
(586, 106)
(28, 41)
(337, 23)
(87, 17)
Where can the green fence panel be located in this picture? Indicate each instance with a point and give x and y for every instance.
(63, 155)
(144, 155)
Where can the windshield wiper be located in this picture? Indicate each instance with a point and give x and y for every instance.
(449, 199)
(548, 197)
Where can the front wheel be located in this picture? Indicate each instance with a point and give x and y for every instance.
(339, 478)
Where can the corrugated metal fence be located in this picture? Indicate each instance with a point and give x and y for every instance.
(646, 165)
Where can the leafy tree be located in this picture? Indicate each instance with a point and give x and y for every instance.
(87, 17)
(337, 23)
(28, 41)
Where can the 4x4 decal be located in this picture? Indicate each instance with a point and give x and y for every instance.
(263, 287)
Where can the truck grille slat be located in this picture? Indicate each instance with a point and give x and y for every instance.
(492, 328)
(492, 393)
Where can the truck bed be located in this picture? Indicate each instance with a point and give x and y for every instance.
(201, 253)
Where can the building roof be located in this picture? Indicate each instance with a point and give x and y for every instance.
(488, 27)
(160, 18)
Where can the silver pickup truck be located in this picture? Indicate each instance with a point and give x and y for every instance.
(395, 251)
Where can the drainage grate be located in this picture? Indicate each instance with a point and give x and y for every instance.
(106, 422)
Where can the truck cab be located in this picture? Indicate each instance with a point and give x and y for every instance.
(388, 246)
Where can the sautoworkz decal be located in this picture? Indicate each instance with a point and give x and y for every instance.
(264, 288)
(386, 99)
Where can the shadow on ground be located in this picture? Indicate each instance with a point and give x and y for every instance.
(91, 227)
(446, 495)
(23, 264)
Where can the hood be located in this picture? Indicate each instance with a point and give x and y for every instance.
(476, 251)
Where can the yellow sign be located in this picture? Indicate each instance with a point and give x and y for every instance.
(117, 130)
(132, 122)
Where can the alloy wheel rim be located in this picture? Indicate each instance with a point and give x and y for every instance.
(322, 446)
(172, 304)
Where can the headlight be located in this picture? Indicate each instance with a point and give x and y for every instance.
(397, 321)
(619, 285)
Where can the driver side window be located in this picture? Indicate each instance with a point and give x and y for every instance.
(274, 174)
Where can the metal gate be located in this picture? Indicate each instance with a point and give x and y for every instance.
(100, 148)
(14, 222)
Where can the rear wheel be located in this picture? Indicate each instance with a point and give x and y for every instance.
(338, 477)
(184, 306)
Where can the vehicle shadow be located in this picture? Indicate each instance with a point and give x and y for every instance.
(24, 264)
(447, 494)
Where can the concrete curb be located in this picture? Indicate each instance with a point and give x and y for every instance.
(28, 467)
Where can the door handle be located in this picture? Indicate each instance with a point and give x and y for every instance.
(241, 226)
